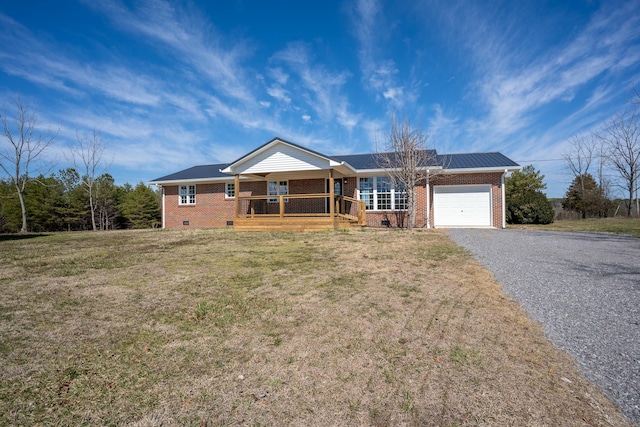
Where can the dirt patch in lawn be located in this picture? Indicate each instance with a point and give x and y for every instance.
(213, 327)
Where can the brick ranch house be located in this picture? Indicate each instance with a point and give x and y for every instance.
(284, 186)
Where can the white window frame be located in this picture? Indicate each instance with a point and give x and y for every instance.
(229, 190)
(186, 196)
(279, 184)
(395, 195)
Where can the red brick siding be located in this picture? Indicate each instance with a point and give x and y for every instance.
(306, 186)
(213, 210)
(375, 218)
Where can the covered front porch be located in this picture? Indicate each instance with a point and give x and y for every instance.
(283, 186)
(298, 211)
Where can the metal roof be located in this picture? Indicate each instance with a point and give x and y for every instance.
(196, 172)
(475, 161)
(373, 160)
(358, 162)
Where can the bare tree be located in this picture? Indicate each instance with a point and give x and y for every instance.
(407, 161)
(23, 149)
(87, 158)
(579, 158)
(621, 137)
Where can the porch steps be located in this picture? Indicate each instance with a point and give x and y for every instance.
(291, 224)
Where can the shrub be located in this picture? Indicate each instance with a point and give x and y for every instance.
(532, 207)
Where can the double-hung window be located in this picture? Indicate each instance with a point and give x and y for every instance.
(379, 193)
(187, 195)
(229, 190)
(278, 188)
(366, 192)
(400, 197)
(383, 193)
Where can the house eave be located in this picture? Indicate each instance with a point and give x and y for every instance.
(191, 181)
(497, 169)
(386, 170)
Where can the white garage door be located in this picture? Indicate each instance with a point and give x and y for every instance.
(462, 206)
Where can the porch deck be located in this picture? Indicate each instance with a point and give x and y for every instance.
(299, 212)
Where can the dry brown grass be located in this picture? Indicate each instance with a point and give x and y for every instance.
(213, 327)
(617, 225)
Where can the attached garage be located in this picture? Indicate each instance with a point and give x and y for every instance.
(462, 206)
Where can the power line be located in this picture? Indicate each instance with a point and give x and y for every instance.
(538, 160)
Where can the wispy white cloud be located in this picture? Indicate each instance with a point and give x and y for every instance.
(35, 60)
(194, 41)
(518, 82)
(278, 75)
(321, 88)
(378, 74)
(279, 93)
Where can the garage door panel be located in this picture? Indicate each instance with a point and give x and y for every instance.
(462, 206)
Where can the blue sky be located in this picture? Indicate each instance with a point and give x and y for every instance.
(174, 84)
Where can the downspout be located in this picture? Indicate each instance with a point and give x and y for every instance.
(428, 202)
(163, 210)
(504, 204)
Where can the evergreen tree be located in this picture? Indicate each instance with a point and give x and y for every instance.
(109, 198)
(526, 203)
(140, 207)
(75, 209)
(9, 208)
(45, 201)
(585, 196)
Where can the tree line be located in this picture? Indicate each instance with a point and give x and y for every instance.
(82, 197)
(601, 162)
(612, 150)
(61, 202)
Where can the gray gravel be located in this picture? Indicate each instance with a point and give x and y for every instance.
(584, 288)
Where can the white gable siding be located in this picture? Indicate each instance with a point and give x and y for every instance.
(282, 158)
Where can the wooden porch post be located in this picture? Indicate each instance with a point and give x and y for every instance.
(332, 199)
(332, 195)
(236, 186)
(281, 206)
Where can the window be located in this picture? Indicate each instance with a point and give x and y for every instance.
(400, 198)
(229, 190)
(383, 191)
(187, 195)
(379, 193)
(277, 188)
(366, 192)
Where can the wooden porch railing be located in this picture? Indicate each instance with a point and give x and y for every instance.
(301, 205)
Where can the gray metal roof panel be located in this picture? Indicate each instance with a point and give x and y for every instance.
(359, 162)
(196, 172)
(475, 160)
(372, 160)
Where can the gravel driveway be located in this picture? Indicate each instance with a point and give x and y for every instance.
(584, 288)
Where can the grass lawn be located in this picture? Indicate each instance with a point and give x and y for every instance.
(214, 327)
(630, 226)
